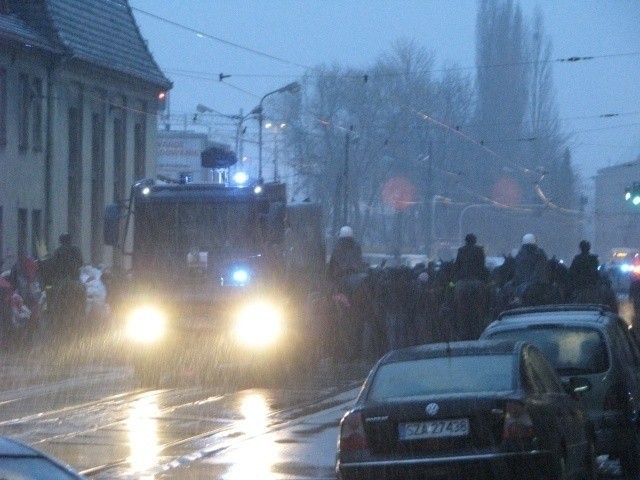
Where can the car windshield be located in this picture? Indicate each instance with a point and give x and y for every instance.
(444, 375)
(572, 350)
(31, 468)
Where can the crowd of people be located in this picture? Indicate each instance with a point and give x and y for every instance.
(375, 310)
(365, 311)
(33, 288)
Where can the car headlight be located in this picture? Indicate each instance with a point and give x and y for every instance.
(259, 324)
(146, 325)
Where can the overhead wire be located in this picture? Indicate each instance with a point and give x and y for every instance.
(479, 143)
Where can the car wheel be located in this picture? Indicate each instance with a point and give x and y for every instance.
(561, 469)
(591, 463)
(630, 460)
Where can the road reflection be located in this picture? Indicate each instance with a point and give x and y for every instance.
(142, 426)
(255, 457)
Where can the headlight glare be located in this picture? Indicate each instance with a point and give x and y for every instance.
(146, 325)
(259, 324)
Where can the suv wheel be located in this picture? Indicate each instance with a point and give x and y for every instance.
(630, 460)
(591, 470)
(562, 469)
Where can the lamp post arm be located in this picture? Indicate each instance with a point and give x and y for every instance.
(291, 87)
(468, 207)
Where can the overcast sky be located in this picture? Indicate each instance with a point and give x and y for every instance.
(264, 45)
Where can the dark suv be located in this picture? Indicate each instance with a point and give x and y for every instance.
(590, 342)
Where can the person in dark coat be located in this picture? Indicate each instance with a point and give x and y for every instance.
(583, 272)
(470, 261)
(634, 297)
(346, 273)
(67, 297)
(66, 260)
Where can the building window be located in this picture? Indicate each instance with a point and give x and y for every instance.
(97, 187)
(23, 113)
(37, 114)
(22, 230)
(3, 107)
(37, 240)
(140, 149)
(74, 184)
(119, 165)
(1, 240)
(119, 170)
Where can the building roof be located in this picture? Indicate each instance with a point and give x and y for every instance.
(14, 28)
(619, 166)
(100, 32)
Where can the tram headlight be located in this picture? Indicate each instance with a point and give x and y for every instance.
(146, 325)
(259, 325)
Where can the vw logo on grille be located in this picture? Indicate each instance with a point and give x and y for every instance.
(432, 409)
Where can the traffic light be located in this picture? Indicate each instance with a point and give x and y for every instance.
(632, 193)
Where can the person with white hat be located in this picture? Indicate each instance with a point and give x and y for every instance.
(530, 283)
(346, 257)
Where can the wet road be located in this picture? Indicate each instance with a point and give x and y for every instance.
(88, 412)
(94, 418)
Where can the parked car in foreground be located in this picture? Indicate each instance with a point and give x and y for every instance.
(475, 409)
(588, 343)
(20, 461)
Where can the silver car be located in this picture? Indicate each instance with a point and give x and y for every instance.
(588, 342)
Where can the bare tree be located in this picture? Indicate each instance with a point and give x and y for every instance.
(502, 92)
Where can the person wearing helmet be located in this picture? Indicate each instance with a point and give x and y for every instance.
(470, 261)
(530, 281)
(346, 257)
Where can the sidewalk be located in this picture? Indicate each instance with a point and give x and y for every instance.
(25, 369)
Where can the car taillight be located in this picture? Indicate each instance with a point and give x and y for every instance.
(352, 436)
(615, 398)
(518, 424)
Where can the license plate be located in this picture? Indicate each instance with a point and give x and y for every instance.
(458, 427)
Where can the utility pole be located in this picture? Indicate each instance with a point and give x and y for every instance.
(345, 178)
(428, 191)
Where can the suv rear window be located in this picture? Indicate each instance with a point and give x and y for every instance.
(571, 350)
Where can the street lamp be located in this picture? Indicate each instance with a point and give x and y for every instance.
(277, 127)
(345, 179)
(292, 87)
